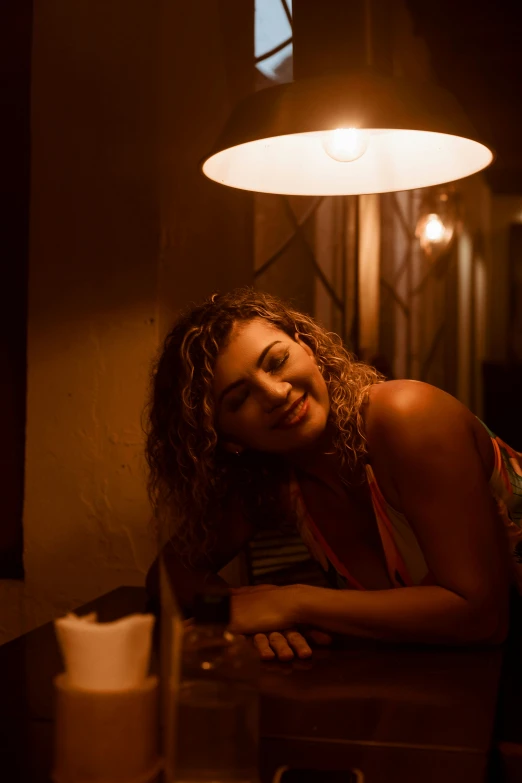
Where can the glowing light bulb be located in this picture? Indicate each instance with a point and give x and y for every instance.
(435, 233)
(346, 144)
(434, 229)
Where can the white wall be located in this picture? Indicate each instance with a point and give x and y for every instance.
(92, 325)
(111, 205)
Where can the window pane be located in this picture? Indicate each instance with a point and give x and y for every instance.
(272, 26)
(278, 68)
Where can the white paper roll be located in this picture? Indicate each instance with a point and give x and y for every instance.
(111, 656)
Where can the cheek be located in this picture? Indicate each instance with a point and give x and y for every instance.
(322, 392)
(319, 382)
(240, 421)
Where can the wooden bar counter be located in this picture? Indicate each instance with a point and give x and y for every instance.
(412, 714)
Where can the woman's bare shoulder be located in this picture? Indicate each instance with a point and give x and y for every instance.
(406, 398)
(407, 412)
(409, 418)
(405, 392)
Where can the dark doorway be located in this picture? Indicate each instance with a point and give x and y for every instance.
(15, 59)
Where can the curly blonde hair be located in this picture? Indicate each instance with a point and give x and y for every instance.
(190, 473)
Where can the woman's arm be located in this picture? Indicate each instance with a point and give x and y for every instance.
(423, 439)
(426, 614)
(188, 581)
(431, 614)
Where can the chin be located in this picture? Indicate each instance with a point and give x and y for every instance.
(304, 439)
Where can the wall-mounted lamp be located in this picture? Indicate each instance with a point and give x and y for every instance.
(437, 221)
(346, 124)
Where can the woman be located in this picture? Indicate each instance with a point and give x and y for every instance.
(260, 417)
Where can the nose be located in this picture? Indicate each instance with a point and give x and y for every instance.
(273, 394)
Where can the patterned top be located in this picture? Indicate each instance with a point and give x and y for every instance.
(404, 558)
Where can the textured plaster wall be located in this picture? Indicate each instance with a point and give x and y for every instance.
(122, 228)
(92, 307)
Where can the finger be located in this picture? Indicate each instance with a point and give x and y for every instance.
(280, 646)
(263, 646)
(298, 643)
(319, 637)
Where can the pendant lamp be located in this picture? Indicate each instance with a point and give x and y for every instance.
(346, 125)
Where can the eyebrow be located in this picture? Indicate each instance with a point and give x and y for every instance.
(259, 362)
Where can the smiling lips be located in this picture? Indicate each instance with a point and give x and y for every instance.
(295, 415)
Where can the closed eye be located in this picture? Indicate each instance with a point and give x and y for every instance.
(277, 362)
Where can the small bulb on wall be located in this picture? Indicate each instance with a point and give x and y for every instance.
(434, 229)
(346, 144)
(434, 233)
(436, 225)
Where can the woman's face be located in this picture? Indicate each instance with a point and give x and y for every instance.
(268, 391)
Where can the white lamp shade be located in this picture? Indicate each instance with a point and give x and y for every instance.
(275, 140)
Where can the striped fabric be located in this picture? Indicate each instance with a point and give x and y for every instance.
(281, 558)
(307, 558)
(404, 557)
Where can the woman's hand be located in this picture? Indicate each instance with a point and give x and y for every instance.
(263, 608)
(285, 644)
